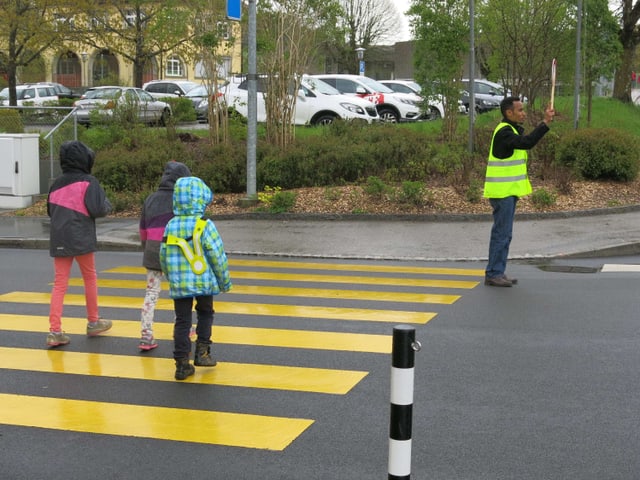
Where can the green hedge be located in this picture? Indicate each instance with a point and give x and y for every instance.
(600, 154)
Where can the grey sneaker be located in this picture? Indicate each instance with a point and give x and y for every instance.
(55, 339)
(96, 328)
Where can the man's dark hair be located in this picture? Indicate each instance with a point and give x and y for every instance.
(507, 104)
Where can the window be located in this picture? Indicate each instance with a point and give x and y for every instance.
(174, 67)
(223, 68)
(223, 30)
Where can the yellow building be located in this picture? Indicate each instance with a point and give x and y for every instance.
(79, 66)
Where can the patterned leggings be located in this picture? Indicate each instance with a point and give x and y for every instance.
(150, 300)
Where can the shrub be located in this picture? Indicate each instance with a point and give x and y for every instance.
(412, 193)
(10, 121)
(376, 187)
(181, 108)
(542, 197)
(602, 154)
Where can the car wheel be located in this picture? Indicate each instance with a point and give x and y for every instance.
(434, 114)
(388, 115)
(164, 117)
(324, 119)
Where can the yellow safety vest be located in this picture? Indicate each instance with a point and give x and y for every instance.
(506, 177)
(195, 258)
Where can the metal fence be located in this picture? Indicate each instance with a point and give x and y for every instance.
(55, 125)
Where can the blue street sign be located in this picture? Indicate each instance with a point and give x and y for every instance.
(361, 67)
(234, 9)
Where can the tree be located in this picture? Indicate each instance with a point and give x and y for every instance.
(138, 30)
(601, 46)
(361, 24)
(290, 33)
(212, 38)
(29, 27)
(629, 35)
(519, 39)
(441, 31)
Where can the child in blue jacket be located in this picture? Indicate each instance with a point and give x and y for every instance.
(193, 259)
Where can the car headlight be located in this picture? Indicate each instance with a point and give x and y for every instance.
(353, 108)
(409, 101)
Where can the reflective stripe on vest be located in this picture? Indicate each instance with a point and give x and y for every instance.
(195, 258)
(506, 177)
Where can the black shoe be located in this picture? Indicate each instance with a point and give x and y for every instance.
(203, 356)
(184, 369)
(497, 282)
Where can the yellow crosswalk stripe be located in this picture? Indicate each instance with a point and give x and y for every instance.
(340, 279)
(350, 267)
(163, 423)
(298, 292)
(274, 377)
(262, 309)
(264, 337)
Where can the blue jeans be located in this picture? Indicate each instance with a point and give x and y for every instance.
(504, 210)
(181, 329)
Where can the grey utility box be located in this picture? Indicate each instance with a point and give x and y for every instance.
(19, 169)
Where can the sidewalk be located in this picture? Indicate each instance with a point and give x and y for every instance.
(445, 238)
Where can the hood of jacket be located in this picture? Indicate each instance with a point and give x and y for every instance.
(75, 156)
(191, 196)
(172, 172)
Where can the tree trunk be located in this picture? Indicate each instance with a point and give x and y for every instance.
(622, 81)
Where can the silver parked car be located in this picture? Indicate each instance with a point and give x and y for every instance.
(111, 99)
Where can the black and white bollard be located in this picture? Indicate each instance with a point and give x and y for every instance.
(402, 373)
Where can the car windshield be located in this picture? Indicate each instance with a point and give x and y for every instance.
(414, 86)
(317, 85)
(199, 91)
(375, 86)
(108, 93)
(188, 86)
(4, 93)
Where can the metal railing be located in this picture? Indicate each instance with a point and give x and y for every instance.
(55, 126)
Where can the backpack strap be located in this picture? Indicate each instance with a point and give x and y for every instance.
(194, 257)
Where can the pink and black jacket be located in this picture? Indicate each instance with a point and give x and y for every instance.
(75, 200)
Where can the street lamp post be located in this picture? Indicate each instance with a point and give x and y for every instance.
(360, 52)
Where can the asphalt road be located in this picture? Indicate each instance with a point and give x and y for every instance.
(539, 381)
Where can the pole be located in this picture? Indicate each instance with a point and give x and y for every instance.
(472, 73)
(252, 104)
(402, 361)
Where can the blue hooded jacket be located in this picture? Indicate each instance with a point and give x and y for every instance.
(191, 196)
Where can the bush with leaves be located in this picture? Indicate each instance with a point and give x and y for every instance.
(601, 154)
(10, 121)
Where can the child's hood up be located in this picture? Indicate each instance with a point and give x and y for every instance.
(191, 196)
(172, 172)
(76, 157)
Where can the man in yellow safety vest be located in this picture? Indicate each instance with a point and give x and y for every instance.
(507, 180)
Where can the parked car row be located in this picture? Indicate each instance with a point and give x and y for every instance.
(316, 103)
(320, 100)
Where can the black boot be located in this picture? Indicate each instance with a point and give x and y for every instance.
(184, 369)
(203, 355)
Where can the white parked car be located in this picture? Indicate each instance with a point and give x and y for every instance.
(392, 107)
(108, 99)
(31, 94)
(169, 88)
(316, 103)
(435, 104)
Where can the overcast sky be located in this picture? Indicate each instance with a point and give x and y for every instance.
(403, 6)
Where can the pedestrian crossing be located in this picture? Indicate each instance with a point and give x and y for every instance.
(291, 297)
